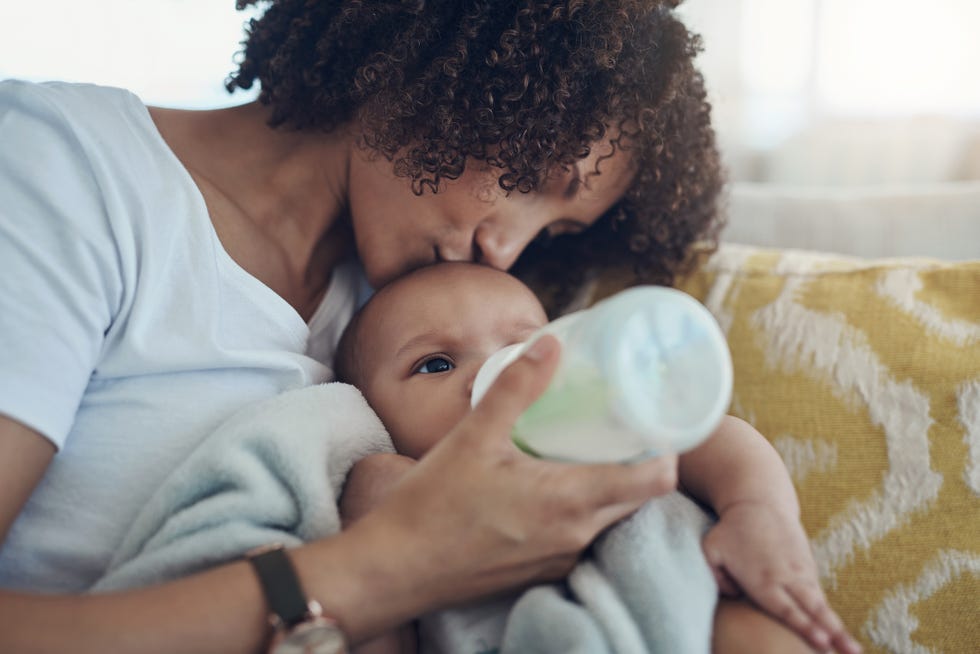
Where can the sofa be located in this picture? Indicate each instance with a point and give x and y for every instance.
(864, 373)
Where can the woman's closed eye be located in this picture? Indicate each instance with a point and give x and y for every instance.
(434, 364)
(565, 226)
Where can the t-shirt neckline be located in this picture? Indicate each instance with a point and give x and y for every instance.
(292, 318)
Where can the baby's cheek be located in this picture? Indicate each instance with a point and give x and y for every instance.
(393, 418)
(409, 431)
(416, 422)
(427, 427)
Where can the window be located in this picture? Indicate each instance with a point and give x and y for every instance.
(843, 91)
(169, 52)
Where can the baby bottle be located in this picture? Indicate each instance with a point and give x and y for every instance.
(644, 372)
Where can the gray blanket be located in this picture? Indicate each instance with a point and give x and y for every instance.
(273, 473)
(644, 588)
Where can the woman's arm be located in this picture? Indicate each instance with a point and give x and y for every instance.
(217, 611)
(221, 611)
(24, 456)
(474, 517)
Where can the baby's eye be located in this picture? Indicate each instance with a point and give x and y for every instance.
(434, 365)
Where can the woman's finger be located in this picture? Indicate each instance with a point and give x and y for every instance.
(614, 490)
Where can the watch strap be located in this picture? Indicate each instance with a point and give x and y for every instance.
(280, 584)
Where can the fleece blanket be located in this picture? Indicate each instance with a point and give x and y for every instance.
(272, 472)
(644, 588)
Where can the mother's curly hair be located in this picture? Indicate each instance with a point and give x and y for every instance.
(524, 85)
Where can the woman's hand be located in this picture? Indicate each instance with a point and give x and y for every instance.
(764, 553)
(476, 515)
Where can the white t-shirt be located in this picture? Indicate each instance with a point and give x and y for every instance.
(127, 333)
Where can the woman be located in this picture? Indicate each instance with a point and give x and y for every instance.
(164, 268)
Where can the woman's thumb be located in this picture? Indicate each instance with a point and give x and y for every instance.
(519, 384)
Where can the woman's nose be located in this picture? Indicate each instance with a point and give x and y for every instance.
(499, 245)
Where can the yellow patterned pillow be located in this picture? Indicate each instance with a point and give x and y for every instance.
(865, 375)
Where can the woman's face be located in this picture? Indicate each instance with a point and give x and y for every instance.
(471, 218)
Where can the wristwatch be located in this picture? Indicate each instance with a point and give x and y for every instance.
(299, 625)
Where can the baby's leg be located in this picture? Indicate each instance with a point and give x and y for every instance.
(741, 628)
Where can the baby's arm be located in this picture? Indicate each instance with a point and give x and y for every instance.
(369, 481)
(759, 546)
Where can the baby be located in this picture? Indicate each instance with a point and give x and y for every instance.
(414, 350)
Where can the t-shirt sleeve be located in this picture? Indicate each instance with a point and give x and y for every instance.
(59, 280)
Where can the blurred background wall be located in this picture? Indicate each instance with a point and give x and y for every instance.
(846, 125)
(846, 92)
(804, 91)
(169, 52)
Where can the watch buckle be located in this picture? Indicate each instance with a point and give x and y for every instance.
(313, 611)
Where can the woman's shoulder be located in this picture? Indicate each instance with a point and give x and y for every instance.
(81, 159)
(52, 94)
(65, 101)
(80, 136)
(88, 118)
(63, 119)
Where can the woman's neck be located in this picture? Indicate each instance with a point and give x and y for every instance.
(276, 196)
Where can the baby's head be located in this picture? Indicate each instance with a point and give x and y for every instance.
(415, 347)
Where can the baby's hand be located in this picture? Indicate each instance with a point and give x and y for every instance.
(369, 482)
(764, 553)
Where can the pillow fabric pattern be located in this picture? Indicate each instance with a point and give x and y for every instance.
(865, 376)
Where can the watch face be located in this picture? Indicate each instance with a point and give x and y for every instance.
(316, 636)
